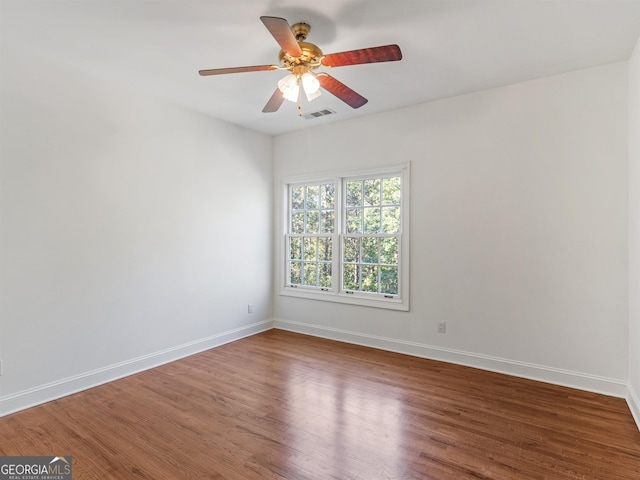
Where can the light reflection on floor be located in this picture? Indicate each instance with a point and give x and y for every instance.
(355, 427)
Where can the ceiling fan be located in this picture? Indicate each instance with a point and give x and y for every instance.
(301, 59)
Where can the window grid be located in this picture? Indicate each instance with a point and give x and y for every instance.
(344, 239)
(360, 265)
(372, 225)
(310, 238)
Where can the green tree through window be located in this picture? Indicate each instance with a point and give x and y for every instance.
(345, 238)
(371, 244)
(310, 239)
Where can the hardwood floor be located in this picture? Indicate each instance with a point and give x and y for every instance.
(285, 406)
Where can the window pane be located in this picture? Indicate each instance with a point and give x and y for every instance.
(354, 220)
(324, 249)
(370, 278)
(389, 280)
(325, 275)
(313, 222)
(313, 197)
(328, 223)
(371, 220)
(370, 250)
(372, 192)
(310, 248)
(328, 196)
(368, 225)
(310, 271)
(389, 250)
(295, 273)
(350, 277)
(391, 191)
(351, 249)
(295, 248)
(297, 198)
(354, 194)
(297, 222)
(391, 219)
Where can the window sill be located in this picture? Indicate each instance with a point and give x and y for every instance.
(395, 303)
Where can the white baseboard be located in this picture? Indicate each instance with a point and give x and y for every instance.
(52, 391)
(593, 383)
(633, 399)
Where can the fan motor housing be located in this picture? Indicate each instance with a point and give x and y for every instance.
(310, 54)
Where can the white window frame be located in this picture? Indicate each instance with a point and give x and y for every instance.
(335, 293)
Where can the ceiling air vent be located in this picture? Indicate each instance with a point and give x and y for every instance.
(320, 113)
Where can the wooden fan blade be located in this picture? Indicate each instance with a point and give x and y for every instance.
(340, 90)
(281, 31)
(223, 71)
(274, 102)
(387, 53)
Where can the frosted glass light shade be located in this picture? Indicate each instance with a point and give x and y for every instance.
(311, 86)
(310, 83)
(290, 87)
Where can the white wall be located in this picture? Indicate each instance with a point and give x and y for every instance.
(519, 227)
(634, 233)
(133, 231)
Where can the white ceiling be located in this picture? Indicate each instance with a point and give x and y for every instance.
(450, 47)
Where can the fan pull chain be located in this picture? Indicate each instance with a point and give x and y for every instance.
(299, 97)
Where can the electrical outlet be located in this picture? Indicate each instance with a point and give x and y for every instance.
(442, 327)
(249, 308)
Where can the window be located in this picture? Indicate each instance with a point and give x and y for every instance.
(346, 238)
(310, 238)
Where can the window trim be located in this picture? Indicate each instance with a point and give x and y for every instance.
(335, 293)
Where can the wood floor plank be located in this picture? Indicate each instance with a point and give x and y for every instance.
(280, 405)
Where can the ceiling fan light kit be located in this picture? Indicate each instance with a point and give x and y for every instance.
(301, 58)
(290, 86)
